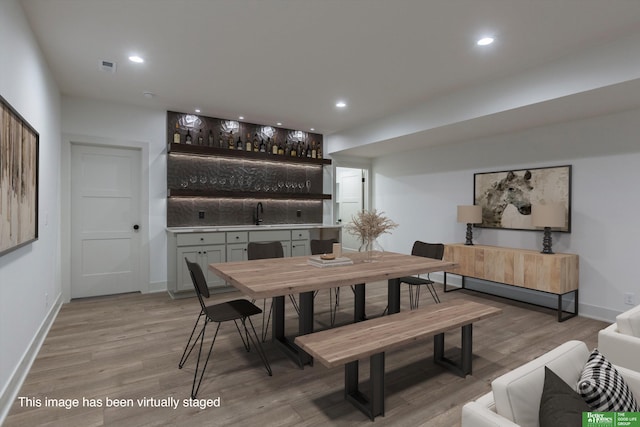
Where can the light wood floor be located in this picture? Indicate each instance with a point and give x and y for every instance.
(128, 347)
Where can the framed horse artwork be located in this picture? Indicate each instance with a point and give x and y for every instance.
(506, 197)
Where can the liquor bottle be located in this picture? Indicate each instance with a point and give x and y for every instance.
(308, 151)
(302, 151)
(281, 149)
(230, 142)
(263, 146)
(187, 139)
(256, 143)
(221, 142)
(176, 135)
(210, 138)
(247, 143)
(274, 147)
(314, 150)
(294, 151)
(200, 139)
(239, 144)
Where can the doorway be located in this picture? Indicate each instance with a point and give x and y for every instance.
(350, 199)
(105, 242)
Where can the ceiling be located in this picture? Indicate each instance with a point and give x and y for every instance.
(290, 61)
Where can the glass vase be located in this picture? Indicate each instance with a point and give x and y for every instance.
(372, 250)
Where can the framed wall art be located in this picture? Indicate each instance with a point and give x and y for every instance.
(506, 197)
(18, 180)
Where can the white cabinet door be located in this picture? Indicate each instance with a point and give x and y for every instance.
(300, 248)
(184, 278)
(203, 256)
(211, 254)
(236, 252)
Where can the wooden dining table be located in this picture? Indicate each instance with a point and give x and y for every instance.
(278, 277)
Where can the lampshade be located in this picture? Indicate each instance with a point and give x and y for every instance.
(470, 214)
(551, 215)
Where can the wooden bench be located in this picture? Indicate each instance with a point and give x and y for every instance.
(372, 338)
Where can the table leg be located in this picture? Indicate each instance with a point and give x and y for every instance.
(305, 325)
(393, 295)
(358, 310)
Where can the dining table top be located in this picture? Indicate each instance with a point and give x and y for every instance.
(267, 278)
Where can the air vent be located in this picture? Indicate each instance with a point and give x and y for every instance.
(108, 66)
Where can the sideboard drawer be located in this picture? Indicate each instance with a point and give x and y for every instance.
(194, 239)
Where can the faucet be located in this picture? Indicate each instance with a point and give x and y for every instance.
(259, 210)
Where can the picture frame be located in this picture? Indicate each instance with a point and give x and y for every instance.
(19, 180)
(506, 196)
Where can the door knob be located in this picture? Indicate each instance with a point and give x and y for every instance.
(136, 227)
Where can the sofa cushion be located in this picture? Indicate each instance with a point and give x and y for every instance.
(560, 404)
(517, 393)
(603, 388)
(629, 322)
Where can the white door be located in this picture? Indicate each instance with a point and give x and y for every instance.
(105, 218)
(350, 202)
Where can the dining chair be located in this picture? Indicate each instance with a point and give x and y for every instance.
(266, 250)
(235, 310)
(319, 247)
(427, 250)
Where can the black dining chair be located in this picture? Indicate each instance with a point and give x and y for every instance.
(319, 247)
(427, 250)
(235, 310)
(266, 250)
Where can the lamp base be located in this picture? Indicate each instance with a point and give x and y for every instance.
(546, 241)
(469, 235)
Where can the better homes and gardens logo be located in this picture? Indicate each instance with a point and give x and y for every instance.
(611, 419)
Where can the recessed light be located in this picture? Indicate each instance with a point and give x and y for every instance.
(136, 59)
(279, 123)
(240, 117)
(485, 41)
(197, 110)
(148, 94)
(341, 104)
(312, 129)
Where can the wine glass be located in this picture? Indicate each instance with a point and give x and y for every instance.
(308, 185)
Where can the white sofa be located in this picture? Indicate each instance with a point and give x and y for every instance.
(514, 399)
(620, 342)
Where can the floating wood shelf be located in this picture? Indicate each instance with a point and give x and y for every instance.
(235, 154)
(245, 194)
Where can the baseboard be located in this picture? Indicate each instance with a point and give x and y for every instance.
(10, 392)
(157, 287)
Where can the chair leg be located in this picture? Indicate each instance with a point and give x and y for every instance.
(185, 355)
(257, 344)
(194, 388)
(244, 342)
(433, 292)
(295, 304)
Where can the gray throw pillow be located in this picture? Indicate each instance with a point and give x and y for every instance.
(560, 405)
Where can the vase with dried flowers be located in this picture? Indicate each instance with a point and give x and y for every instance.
(368, 226)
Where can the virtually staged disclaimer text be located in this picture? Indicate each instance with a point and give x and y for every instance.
(107, 402)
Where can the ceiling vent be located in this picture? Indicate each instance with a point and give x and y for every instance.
(108, 66)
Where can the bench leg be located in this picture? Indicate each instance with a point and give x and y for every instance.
(373, 406)
(463, 368)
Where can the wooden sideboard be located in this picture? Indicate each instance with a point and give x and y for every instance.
(551, 273)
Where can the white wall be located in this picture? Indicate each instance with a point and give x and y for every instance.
(30, 284)
(88, 121)
(420, 190)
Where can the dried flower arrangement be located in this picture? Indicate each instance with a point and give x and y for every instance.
(368, 225)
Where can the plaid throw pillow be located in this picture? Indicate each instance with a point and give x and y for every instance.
(603, 388)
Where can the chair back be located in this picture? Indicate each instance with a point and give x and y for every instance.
(264, 250)
(319, 247)
(428, 250)
(199, 281)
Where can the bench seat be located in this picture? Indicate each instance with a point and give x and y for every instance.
(372, 338)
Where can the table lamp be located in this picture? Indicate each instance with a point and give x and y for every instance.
(470, 215)
(547, 216)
